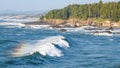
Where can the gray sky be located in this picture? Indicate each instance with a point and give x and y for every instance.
(27, 5)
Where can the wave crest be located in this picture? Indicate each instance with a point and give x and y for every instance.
(45, 47)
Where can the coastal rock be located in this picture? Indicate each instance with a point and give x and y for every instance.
(78, 23)
(63, 30)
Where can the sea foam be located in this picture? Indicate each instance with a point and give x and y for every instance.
(46, 47)
(17, 24)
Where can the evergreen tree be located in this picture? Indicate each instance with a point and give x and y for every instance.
(101, 10)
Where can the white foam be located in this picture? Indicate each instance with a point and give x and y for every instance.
(44, 47)
(17, 20)
(71, 29)
(103, 34)
(37, 26)
(18, 24)
(11, 24)
(76, 29)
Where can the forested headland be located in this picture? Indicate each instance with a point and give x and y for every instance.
(99, 11)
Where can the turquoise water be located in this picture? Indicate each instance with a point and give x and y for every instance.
(84, 51)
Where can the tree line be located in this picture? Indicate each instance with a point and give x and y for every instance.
(110, 10)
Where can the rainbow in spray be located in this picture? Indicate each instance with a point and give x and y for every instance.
(45, 47)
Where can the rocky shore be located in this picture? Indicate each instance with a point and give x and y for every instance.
(58, 23)
(79, 23)
(93, 27)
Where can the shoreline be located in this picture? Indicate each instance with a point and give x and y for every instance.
(59, 23)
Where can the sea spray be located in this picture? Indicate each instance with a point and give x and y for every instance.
(45, 47)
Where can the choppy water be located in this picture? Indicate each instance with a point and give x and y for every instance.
(64, 50)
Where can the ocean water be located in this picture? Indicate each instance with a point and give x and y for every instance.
(50, 48)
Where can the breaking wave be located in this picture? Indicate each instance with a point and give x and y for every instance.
(46, 47)
(12, 24)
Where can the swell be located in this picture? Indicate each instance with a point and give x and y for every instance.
(34, 59)
(8, 41)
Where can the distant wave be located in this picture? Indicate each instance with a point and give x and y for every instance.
(46, 47)
(77, 29)
(38, 26)
(22, 25)
(12, 24)
(102, 34)
(16, 20)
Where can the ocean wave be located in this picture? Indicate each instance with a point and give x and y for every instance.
(77, 29)
(22, 25)
(37, 26)
(102, 34)
(15, 20)
(12, 24)
(46, 47)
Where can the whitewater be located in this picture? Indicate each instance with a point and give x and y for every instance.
(44, 47)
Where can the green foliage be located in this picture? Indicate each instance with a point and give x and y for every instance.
(99, 10)
(100, 20)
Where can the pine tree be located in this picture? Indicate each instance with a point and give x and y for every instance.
(101, 10)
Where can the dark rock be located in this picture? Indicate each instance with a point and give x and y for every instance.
(63, 30)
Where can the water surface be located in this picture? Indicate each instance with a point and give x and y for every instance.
(84, 51)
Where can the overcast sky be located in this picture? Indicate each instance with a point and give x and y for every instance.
(27, 5)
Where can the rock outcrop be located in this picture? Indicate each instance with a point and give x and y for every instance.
(78, 23)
